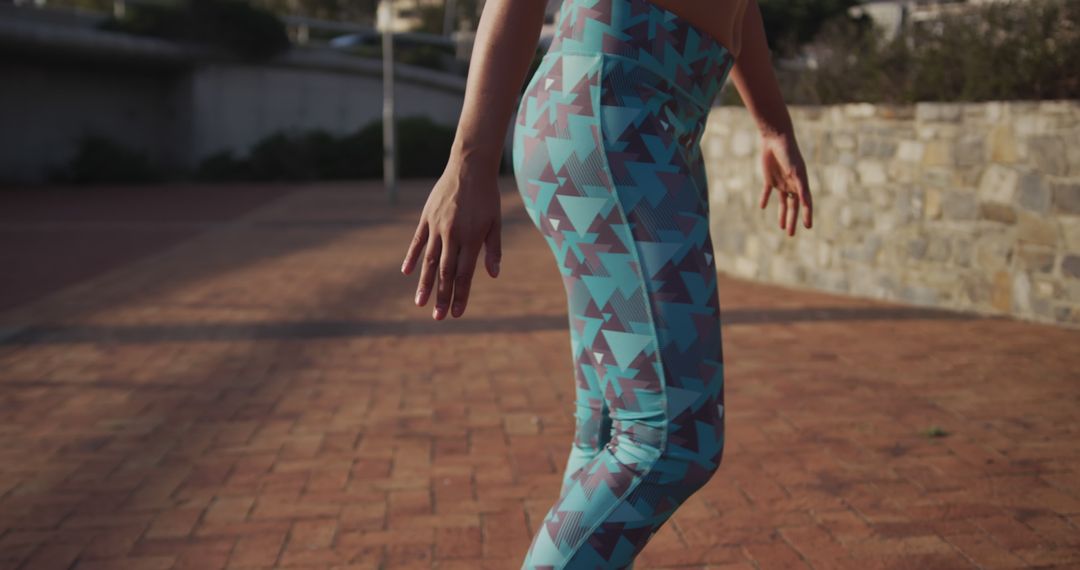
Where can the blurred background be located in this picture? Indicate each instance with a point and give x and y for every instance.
(208, 357)
(948, 126)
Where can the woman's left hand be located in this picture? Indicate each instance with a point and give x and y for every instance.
(462, 215)
(783, 168)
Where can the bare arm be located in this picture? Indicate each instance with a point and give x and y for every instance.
(754, 78)
(463, 212)
(781, 162)
(505, 43)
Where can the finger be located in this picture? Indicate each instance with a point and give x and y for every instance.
(493, 248)
(808, 217)
(463, 280)
(428, 269)
(415, 247)
(765, 194)
(447, 272)
(794, 212)
(783, 211)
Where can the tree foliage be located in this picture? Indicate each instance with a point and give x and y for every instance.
(789, 24)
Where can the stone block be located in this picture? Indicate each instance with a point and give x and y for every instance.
(1072, 154)
(830, 280)
(1002, 144)
(838, 179)
(715, 148)
(937, 112)
(1028, 123)
(842, 140)
(743, 144)
(996, 111)
(860, 110)
(961, 251)
(871, 173)
(938, 177)
(910, 151)
(999, 183)
(976, 288)
(1066, 313)
(969, 149)
(879, 143)
(932, 204)
(1070, 229)
(1037, 230)
(1048, 153)
(1045, 287)
(1070, 290)
(895, 112)
(903, 172)
(1070, 266)
(997, 212)
(959, 206)
(993, 253)
(1057, 107)
(938, 153)
(917, 247)
(938, 249)
(1001, 295)
(1035, 258)
(1033, 193)
(1021, 293)
(865, 252)
(919, 294)
(1066, 197)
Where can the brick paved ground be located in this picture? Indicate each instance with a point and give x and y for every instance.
(264, 394)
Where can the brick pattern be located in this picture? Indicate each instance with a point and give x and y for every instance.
(265, 395)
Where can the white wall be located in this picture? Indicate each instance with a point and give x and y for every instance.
(180, 115)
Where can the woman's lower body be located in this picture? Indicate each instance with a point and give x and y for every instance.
(607, 160)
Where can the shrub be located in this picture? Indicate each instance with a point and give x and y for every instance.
(101, 161)
(790, 24)
(998, 51)
(423, 149)
(423, 146)
(233, 25)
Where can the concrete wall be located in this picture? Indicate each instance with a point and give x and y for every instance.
(46, 109)
(180, 105)
(966, 206)
(233, 105)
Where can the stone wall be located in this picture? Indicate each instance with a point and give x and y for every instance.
(965, 206)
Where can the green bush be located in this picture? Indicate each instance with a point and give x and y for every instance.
(233, 25)
(423, 149)
(1000, 51)
(224, 166)
(790, 24)
(101, 161)
(423, 146)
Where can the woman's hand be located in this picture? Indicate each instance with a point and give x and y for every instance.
(783, 167)
(462, 214)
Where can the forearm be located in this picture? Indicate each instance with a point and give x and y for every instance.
(754, 78)
(506, 40)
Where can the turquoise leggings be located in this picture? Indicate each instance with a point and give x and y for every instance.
(607, 158)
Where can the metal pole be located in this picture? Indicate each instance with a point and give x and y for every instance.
(449, 17)
(389, 138)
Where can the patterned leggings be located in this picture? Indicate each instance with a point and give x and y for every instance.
(607, 158)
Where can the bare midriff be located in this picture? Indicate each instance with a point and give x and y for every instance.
(722, 19)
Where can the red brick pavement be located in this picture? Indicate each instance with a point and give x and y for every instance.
(265, 395)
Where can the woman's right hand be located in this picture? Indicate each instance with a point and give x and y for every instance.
(463, 213)
(783, 168)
